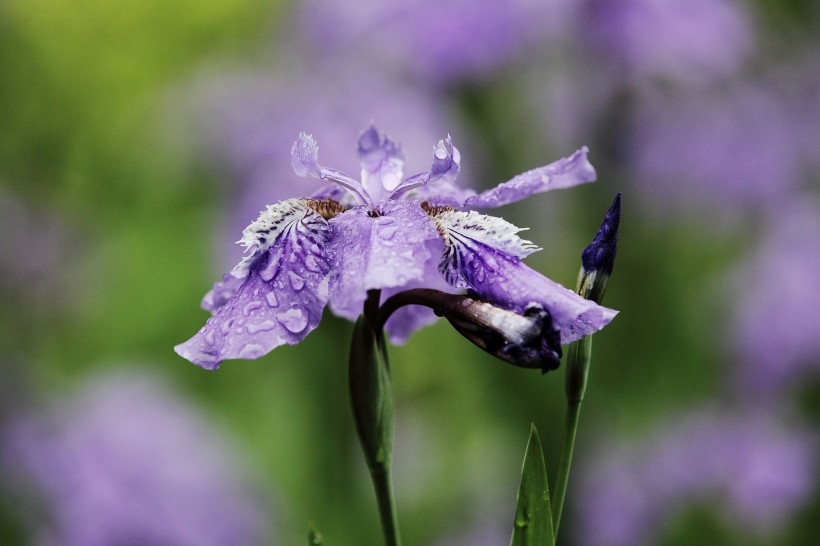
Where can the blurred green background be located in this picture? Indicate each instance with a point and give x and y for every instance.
(112, 217)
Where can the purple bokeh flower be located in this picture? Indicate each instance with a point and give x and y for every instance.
(39, 255)
(439, 41)
(683, 40)
(775, 332)
(759, 471)
(124, 461)
(715, 153)
(383, 232)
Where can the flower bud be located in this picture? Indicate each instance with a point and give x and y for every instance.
(598, 258)
(597, 261)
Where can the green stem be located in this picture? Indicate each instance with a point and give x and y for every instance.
(573, 412)
(383, 484)
(578, 359)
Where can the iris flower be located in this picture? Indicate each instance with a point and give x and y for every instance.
(384, 233)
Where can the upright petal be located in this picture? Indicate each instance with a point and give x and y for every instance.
(387, 248)
(444, 171)
(488, 261)
(564, 173)
(382, 163)
(305, 159)
(283, 296)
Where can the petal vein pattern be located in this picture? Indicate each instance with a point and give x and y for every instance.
(489, 262)
(385, 251)
(283, 294)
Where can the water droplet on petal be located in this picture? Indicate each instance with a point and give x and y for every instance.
(251, 307)
(251, 351)
(209, 336)
(272, 268)
(261, 327)
(294, 319)
(271, 300)
(385, 220)
(226, 326)
(388, 233)
(312, 264)
(296, 282)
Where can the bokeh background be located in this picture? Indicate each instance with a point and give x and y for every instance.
(138, 138)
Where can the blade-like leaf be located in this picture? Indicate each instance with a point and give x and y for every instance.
(533, 517)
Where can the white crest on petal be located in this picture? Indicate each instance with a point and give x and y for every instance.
(471, 236)
(263, 232)
(490, 230)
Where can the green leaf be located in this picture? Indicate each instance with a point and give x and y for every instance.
(533, 517)
(315, 538)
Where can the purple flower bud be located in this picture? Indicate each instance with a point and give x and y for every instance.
(598, 258)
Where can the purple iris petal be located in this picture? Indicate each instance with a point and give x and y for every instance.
(382, 163)
(446, 161)
(564, 173)
(282, 299)
(223, 290)
(305, 160)
(441, 177)
(484, 254)
(389, 250)
(507, 282)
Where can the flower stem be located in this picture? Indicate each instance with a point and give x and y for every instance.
(371, 397)
(578, 358)
(383, 484)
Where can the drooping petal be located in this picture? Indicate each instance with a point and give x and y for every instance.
(564, 173)
(305, 159)
(223, 290)
(490, 264)
(492, 231)
(376, 250)
(283, 296)
(382, 163)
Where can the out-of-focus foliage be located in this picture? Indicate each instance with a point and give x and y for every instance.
(137, 137)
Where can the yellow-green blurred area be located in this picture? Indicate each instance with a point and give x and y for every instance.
(113, 217)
